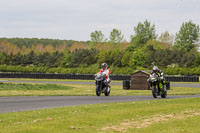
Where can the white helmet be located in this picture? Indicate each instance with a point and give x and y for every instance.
(155, 69)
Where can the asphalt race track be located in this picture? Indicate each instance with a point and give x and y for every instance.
(25, 103)
(13, 104)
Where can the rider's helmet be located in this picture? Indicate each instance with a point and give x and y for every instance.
(155, 69)
(104, 66)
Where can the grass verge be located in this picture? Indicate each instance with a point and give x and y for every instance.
(166, 116)
(27, 89)
(9, 86)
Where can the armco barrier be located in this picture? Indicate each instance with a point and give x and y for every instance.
(90, 76)
(182, 78)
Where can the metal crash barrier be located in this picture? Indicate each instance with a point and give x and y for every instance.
(90, 76)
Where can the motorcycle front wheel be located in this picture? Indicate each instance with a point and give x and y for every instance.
(154, 92)
(98, 92)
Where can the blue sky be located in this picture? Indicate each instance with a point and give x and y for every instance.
(76, 19)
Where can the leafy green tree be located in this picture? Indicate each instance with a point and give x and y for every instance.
(17, 59)
(67, 58)
(55, 58)
(83, 57)
(189, 60)
(29, 58)
(116, 36)
(187, 35)
(91, 58)
(138, 58)
(197, 60)
(116, 57)
(97, 36)
(2, 58)
(143, 33)
(126, 58)
(111, 57)
(43, 60)
(104, 56)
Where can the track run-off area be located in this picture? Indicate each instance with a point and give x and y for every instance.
(25, 103)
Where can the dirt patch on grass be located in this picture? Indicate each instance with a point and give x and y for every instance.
(146, 122)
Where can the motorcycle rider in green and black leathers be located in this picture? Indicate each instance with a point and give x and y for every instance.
(161, 77)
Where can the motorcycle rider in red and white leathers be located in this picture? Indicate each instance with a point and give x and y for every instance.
(106, 70)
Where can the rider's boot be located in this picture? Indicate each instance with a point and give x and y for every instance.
(108, 88)
(160, 88)
(163, 82)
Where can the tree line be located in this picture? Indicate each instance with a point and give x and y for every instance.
(144, 50)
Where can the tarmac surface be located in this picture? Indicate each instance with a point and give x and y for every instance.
(25, 103)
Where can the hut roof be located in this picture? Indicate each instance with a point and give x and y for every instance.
(140, 71)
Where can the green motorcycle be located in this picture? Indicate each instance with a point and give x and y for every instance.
(158, 89)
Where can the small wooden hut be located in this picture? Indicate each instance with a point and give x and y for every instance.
(139, 80)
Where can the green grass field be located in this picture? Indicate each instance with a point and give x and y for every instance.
(155, 116)
(25, 87)
(22, 89)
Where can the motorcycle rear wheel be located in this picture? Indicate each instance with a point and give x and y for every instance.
(164, 93)
(107, 93)
(154, 92)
